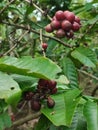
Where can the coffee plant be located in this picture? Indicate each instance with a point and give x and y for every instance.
(48, 65)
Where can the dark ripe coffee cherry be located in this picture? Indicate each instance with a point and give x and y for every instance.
(42, 82)
(54, 18)
(48, 28)
(44, 46)
(77, 19)
(60, 33)
(52, 84)
(70, 34)
(35, 105)
(55, 24)
(75, 26)
(50, 102)
(66, 25)
(28, 95)
(53, 91)
(70, 16)
(60, 15)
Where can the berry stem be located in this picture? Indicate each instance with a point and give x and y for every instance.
(41, 41)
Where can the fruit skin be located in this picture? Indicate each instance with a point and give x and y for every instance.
(28, 95)
(77, 19)
(50, 102)
(35, 105)
(53, 91)
(70, 16)
(75, 26)
(48, 28)
(60, 33)
(55, 24)
(52, 84)
(60, 15)
(44, 46)
(70, 34)
(66, 25)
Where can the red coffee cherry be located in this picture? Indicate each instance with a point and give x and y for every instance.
(77, 19)
(53, 91)
(50, 102)
(48, 28)
(75, 26)
(60, 15)
(66, 25)
(60, 33)
(70, 16)
(55, 24)
(44, 46)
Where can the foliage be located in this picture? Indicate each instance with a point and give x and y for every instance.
(23, 62)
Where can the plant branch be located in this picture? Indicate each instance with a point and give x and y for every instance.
(5, 7)
(13, 47)
(26, 119)
(87, 30)
(39, 9)
(37, 32)
(88, 74)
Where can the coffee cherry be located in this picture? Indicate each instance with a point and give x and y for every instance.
(77, 19)
(48, 28)
(60, 33)
(66, 25)
(53, 91)
(70, 34)
(54, 18)
(55, 24)
(52, 84)
(12, 116)
(28, 95)
(35, 105)
(69, 16)
(44, 46)
(42, 82)
(75, 26)
(60, 15)
(50, 102)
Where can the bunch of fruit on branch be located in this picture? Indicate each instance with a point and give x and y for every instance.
(64, 24)
(44, 89)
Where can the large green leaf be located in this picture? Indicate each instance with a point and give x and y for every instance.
(40, 67)
(9, 89)
(91, 115)
(64, 108)
(86, 56)
(70, 72)
(5, 121)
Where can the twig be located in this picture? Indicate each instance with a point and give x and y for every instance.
(5, 7)
(39, 9)
(13, 47)
(94, 91)
(87, 30)
(36, 32)
(88, 74)
(26, 119)
(41, 40)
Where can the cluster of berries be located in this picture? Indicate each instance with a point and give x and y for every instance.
(44, 89)
(65, 23)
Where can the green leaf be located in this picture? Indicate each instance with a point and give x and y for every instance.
(59, 115)
(40, 67)
(5, 121)
(70, 72)
(91, 114)
(42, 124)
(71, 98)
(9, 89)
(86, 56)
